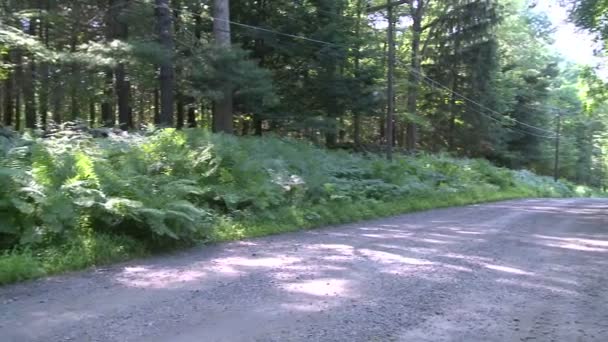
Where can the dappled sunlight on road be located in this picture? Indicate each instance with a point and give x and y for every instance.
(507, 269)
(157, 278)
(502, 255)
(325, 287)
(535, 286)
(391, 258)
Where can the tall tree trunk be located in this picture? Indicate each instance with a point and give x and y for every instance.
(414, 75)
(9, 108)
(260, 54)
(454, 88)
(44, 94)
(122, 86)
(382, 118)
(107, 109)
(119, 29)
(92, 113)
(453, 108)
(181, 111)
(44, 68)
(18, 87)
(191, 116)
(57, 96)
(180, 100)
(156, 106)
(357, 114)
(141, 120)
(167, 77)
(29, 84)
(222, 109)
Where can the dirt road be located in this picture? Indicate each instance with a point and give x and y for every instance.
(532, 270)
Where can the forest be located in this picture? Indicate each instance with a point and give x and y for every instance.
(131, 126)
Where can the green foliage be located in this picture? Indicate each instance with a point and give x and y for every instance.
(28, 263)
(16, 267)
(76, 200)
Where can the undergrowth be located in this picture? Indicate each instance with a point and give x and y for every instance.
(69, 200)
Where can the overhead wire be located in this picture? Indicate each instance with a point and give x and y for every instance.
(429, 81)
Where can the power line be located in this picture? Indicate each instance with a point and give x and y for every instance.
(475, 102)
(418, 74)
(499, 120)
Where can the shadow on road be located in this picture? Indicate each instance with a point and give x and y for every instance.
(393, 276)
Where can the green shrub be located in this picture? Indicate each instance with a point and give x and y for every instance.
(76, 200)
(18, 266)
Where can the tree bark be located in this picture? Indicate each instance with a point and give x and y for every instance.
(44, 69)
(107, 110)
(191, 117)
(91, 113)
(181, 110)
(119, 29)
(123, 91)
(58, 94)
(357, 114)
(156, 106)
(180, 101)
(167, 76)
(453, 107)
(18, 91)
(9, 108)
(29, 84)
(222, 109)
(260, 54)
(412, 97)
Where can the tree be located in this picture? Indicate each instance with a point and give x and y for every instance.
(166, 76)
(222, 107)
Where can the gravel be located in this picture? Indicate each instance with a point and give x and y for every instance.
(531, 270)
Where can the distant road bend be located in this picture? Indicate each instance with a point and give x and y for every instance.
(528, 270)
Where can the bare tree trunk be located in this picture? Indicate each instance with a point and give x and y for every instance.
(9, 108)
(122, 86)
(44, 94)
(29, 84)
(119, 29)
(44, 69)
(18, 87)
(92, 113)
(156, 106)
(357, 114)
(222, 109)
(412, 97)
(260, 54)
(181, 110)
(191, 117)
(107, 110)
(142, 110)
(167, 75)
(58, 93)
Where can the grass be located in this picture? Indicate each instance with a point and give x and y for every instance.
(24, 264)
(294, 219)
(73, 202)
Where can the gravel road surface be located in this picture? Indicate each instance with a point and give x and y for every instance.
(531, 270)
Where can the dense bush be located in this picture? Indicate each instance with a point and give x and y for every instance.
(179, 186)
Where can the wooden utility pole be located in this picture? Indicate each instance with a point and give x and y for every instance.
(390, 88)
(222, 109)
(557, 138)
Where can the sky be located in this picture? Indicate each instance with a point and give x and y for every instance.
(572, 43)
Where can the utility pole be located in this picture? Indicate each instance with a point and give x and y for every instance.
(557, 137)
(390, 89)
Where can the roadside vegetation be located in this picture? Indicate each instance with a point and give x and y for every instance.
(69, 201)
